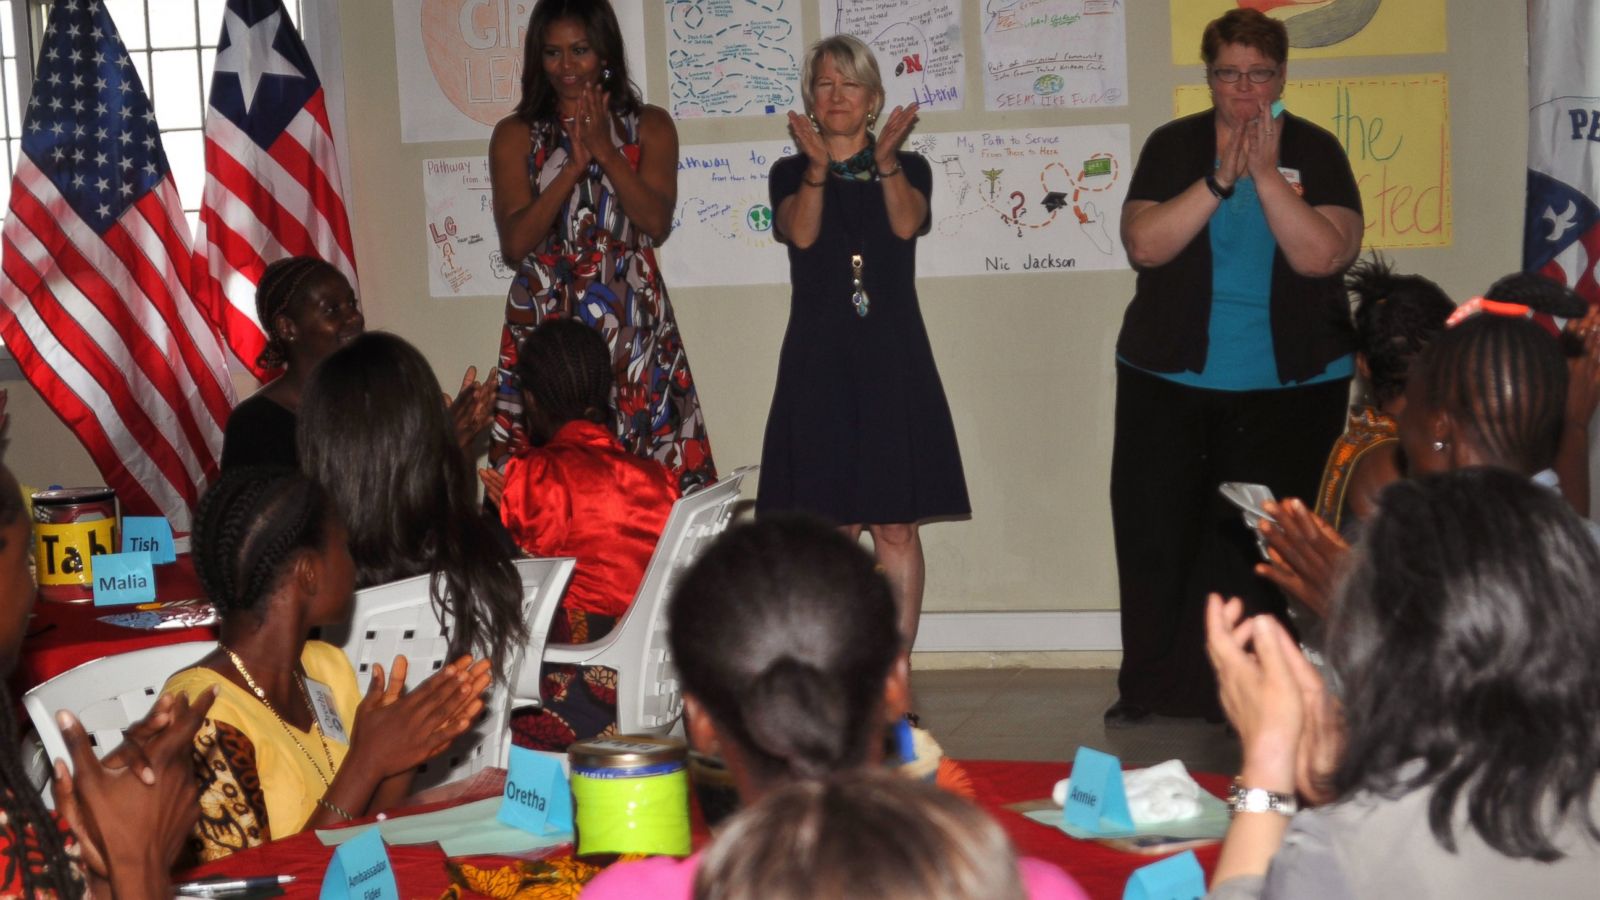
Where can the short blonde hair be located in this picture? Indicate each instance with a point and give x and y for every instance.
(861, 834)
(853, 59)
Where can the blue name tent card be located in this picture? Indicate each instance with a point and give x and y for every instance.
(122, 578)
(149, 534)
(1096, 800)
(1177, 877)
(360, 870)
(537, 798)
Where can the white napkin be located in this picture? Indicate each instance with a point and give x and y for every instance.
(1161, 793)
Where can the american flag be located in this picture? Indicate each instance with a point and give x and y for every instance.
(272, 178)
(96, 272)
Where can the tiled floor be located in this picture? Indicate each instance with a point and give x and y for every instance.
(1046, 714)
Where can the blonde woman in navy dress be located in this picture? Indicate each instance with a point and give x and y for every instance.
(859, 431)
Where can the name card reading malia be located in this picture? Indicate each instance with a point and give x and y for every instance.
(1177, 877)
(360, 870)
(150, 534)
(1096, 799)
(537, 799)
(123, 578)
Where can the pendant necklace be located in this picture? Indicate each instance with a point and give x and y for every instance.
(306, 695)
(860, 167)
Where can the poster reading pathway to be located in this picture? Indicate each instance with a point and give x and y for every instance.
(463, 249)
(1054, 54)
(1004, 202)
(733, 57)
(460, 63)
(917, 44)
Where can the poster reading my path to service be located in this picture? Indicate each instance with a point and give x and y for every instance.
(1054, 54)
(460, 63)
(733, 57)
(1396, 131)
(1323, 28)
(917, 44)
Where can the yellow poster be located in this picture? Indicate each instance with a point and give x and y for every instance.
(1323, 28)
(1396, 131)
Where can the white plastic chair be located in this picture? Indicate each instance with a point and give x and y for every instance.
(649, 700)
(107, 695)
(398, 618)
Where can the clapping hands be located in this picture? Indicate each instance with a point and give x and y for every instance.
(397, 730)
(1304, 553)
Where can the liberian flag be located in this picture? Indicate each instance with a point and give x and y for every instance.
(96, 259)
(272, 178)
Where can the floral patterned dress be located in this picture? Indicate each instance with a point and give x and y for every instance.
(595, 266)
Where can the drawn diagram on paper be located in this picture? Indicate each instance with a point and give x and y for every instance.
(733, 57)
(917, 44)
(1042, 54)
(1025, 200)
(722, 226)
(462, 245)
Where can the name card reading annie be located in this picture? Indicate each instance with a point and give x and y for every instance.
(1096, 799)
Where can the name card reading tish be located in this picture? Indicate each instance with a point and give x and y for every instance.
(123, 578)
(537, 798)
(1177, 877)
(360, 870)
(1096, 800)
(151, 534)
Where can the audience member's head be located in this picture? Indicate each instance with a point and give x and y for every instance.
(860, 836)
(564, 368)
(250, 525)
(1491, 390)
(1396, 316)
(374, 433)
(786, 643)
(1464, 645)
(307, 309)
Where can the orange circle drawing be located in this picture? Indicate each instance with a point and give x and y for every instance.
(474, 48)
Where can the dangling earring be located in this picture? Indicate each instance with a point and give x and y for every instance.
(872, 119)
(1438, 446)
(605, 75)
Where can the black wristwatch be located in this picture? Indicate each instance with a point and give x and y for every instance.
(1217, 190)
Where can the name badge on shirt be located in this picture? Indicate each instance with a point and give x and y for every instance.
(327, 714)
(1293, 177)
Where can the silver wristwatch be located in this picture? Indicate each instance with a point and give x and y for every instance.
(1258, 800)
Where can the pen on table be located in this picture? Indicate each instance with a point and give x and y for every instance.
(231, 886)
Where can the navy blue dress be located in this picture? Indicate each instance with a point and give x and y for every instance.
(859, 430)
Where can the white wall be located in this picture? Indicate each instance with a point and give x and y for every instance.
(1026, 359)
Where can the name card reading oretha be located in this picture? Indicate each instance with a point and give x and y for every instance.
(537, 798)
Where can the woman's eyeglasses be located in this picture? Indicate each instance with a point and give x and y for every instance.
(1256, 76)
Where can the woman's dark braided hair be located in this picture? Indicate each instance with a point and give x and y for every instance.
(786, 633)
(19, 798)
(1396, 316)
(1504, 379)
(282, 283)
(250, 523)
(1543, 295)
(566, 366)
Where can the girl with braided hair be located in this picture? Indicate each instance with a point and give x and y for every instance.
(308, 310)
(576, 491)
(291, 742)
(793, 669)
(122, 818)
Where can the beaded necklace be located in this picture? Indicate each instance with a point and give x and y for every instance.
(304, 694)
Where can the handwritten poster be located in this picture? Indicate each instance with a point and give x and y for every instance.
(461, 243)
(460, 63)
(1007, 202)
(722, 227)
(733, 57)
(1054, 54)
(917, 44)
(1319, 28)
(1396, 131)
(1025, 200)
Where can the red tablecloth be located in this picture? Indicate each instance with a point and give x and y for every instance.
(61, 636)
(420, 871)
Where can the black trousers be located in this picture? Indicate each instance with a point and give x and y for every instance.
(1177, 539)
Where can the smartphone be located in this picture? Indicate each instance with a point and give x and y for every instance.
(1250, 499)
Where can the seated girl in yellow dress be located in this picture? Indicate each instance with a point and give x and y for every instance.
(281, 750)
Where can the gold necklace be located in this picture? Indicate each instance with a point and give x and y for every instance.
(306, 695)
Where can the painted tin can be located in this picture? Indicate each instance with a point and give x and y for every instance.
(631, 795)
(71, 525)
